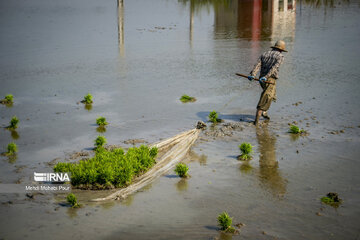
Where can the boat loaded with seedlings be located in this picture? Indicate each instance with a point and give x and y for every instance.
(130, 170)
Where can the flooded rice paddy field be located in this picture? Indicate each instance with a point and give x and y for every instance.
(137, 59)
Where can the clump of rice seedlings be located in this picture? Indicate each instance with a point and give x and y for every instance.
(332, 199)
(181, 170)
(296, 130)
(225, 221)
(9, 99)
(100, 141)
(109, 168)
(101, 121)
(213, 117)
(11, 149)
(87, 99)
(13, 123)
(246, 150)
(185, 98)
(71, 199)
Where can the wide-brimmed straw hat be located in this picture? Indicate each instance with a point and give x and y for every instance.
(280, 44)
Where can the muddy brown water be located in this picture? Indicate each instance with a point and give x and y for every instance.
(137, 60)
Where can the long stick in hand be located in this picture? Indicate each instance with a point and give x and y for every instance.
(256, 79)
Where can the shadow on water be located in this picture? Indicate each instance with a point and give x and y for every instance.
(269, 174)
(171, 176)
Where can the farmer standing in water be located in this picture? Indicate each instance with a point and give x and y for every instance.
(268, 64)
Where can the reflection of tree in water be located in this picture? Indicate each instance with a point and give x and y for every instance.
(72, 212)
(15, 135)
(182, 185)
(326, 3)
(202, 159)
(198, 5)
(269, 174)
(246, 167)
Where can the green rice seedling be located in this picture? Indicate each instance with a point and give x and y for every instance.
(295, 129)
(100, 141)
(109, 168)
(246, 150)
(13, 123)
(71, 199)
(224, 221)
(87, 99)
(213, 117)
(9, 98)
(181, 169)
(185, 98)
(101, 121)
(332, 199)
(11, 149)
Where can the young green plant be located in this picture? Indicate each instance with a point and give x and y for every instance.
(213, 117)
(181, 169)
(9, 99)
(13, 123)
(100, 141)
(246, 150)
(101, 121)
(225, 221)
(295, 129)
(185, 98)
(332, 199)
(11, 149)
(88, 99)
(71, 199)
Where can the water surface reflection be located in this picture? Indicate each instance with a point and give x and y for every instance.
(269, 174)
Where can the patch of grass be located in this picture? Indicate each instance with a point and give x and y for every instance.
(100, 141)
(11, 149)
(295, 129)
(181, 169)
(213, 117)
(13, 123)
(88, 99)
(246, 150)
(332, 199)
(224, 221)
(185, 98)
(101, 121)
(110, 168)
(71, 199)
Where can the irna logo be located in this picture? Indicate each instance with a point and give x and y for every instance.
(51, 177)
